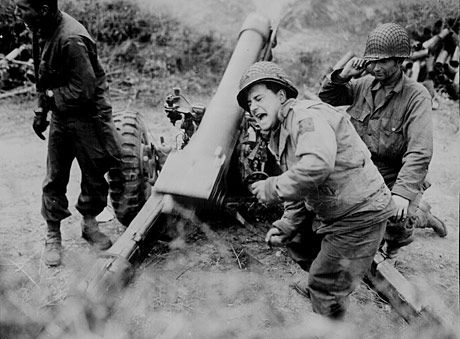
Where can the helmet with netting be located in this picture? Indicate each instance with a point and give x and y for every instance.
(387, 41)
(264, 71)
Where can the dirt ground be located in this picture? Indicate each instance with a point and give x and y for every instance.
(220, 280)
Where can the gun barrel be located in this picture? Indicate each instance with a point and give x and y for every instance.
(223, 112)
(196, 171)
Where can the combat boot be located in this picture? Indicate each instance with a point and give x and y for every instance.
(53, 244)
(426, 219)
(92, 234)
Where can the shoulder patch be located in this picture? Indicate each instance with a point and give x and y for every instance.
(306, 125)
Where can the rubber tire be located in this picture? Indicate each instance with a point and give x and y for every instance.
(128, 187)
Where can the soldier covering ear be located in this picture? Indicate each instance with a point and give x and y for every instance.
(393, 116)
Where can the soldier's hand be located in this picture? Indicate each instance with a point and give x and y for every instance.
(258, 189)
(402, 205)
(275, 237)
(355, 66)
(40, 124)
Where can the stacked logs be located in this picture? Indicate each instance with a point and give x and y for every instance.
(435, 58)
(16, 70)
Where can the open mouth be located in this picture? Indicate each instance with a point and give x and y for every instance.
(261, 116)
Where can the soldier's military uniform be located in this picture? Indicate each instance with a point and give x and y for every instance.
(71, 84)
(71, 74)
(336, 202)
(396, 125)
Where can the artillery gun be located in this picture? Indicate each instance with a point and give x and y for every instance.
(202, 169)
(218, 153)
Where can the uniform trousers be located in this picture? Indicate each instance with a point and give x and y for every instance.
(337, 259)
(74, 137)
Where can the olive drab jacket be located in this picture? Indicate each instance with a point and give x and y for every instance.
(325, 165)
(398, 133)
(70, 69)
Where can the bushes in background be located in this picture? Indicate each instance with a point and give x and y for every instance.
(152, 45)
(352, 21)
(12, 32)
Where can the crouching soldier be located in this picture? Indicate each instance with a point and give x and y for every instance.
(336, 203)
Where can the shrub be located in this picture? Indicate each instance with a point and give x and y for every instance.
(165, 46)
(12, 32)
(115, 22)
(159, 46)
(424, 13)
(348, 22)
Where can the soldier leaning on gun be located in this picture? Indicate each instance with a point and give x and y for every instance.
(393, 116)
(71, 85)
(336, 203)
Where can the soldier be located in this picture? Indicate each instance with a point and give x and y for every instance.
(393, 116)
(335, 201)
(71, 84)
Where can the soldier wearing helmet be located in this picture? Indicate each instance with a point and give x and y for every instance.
(335, 201)
(393, 116)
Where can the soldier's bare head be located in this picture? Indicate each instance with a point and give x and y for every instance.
(35, 13)
(38, 4)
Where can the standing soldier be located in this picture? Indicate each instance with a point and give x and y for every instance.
(71, 85)
(392, 114)
(336, 203)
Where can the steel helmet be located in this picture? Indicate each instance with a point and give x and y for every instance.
(387, 41)
(264, 71)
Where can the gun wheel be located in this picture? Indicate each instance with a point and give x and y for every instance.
(131, 184)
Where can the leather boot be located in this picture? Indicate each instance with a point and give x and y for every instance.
(92, 234)
(53, 244)
(426, 219)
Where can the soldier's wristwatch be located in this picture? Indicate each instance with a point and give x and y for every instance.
(49, 93)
